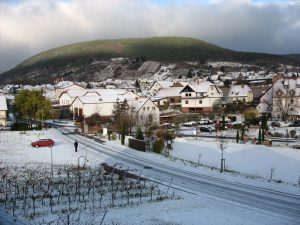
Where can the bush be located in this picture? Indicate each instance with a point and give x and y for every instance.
(293, 133)
(277, 134)
(24, 127)
(139, 134)
(158, 146)
(113, 136)
(275, 124)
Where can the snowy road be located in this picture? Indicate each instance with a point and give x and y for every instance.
(273, 203)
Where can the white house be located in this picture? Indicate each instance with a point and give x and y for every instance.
(158, 85)
(65, 85)
(169, 96)
(3, 111)
(265, 105)
(88, 105)
(147, 112)
(240, 93)
(286, 98)
(199, 98)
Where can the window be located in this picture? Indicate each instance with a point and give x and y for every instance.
(212, 88)
(200, 101)
(150, 118)
(144, 108)
(190, 94)
(148, 108)
(186, 102)
(186, 94)
(172, 100)
(153, 108)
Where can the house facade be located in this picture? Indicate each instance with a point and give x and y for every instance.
(146, 111)
(265, 106)
(3, 111)
(169, 98)
(85, 106)
(240, 93)
(158, 85)
(286, 98)
(199, 98)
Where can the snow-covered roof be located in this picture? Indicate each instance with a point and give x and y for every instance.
(163, 84)
(201, 86)
(64, 84)
(286, 85)
(101, 99)
(110, 91)
(169, 92)
(266, 102)
(49, 94)
(73, 93)
(239, 90)
(3, 104)
(138, 104)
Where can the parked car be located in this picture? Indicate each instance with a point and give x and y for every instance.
(42, 143)
(190, 124)
(295, 124)
(206, 129)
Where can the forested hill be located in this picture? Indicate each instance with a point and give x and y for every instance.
(163, 49)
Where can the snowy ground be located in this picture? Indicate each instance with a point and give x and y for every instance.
(256, 160)
(15, 149)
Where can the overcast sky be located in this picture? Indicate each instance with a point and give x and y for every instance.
(28, 27)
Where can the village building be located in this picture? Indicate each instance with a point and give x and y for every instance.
(168, 98)
(199, 98)
(240, 93)
(146, 112)
(3, 111)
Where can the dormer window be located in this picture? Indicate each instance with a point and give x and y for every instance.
(100, 99)
(279, 92)
(292, 92)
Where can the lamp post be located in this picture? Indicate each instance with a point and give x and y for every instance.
(51, 162)
(42, 118)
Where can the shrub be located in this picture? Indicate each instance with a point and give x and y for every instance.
(277, 134)
(275, 124)
(24, 127)
(158, 146)
(139, 134)
(293, 133)
(113, 136)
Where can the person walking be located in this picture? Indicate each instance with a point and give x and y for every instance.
(76, 145)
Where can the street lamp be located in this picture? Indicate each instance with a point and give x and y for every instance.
(51, 162)
(42, 118)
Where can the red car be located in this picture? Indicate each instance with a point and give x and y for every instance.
(43, 142)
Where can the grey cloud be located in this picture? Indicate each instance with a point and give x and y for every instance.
(33, 26)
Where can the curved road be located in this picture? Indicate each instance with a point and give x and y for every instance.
(283, 205)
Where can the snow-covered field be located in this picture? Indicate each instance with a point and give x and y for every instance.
(256, 160)
(15, 150)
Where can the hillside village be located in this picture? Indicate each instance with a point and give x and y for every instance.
(159, 98)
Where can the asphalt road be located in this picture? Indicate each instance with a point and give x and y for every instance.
(280, 204)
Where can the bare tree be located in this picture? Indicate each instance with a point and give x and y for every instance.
(222, 144)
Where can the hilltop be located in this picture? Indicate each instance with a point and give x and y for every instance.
(79, 57)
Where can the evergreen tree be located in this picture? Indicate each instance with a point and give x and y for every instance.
(223, 122)
(259, 136)
(137, 85)
(139, 134)
(237, 136)
(243, 132)
(264, 121)
(263, 135)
